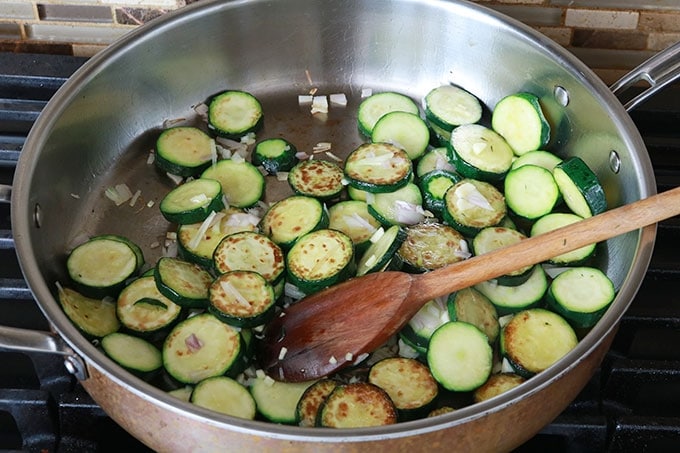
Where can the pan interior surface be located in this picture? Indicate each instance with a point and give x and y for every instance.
(98, 131)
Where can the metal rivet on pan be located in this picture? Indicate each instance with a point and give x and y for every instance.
(37, 216)
(561, 95)
(614, 161)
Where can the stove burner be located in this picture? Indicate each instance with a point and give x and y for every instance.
(631, 404)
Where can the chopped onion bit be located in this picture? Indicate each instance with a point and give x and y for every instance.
(119, 194)
(338, 99)
(305, 99)
(231, 290)
(202, 230)
(319, 104)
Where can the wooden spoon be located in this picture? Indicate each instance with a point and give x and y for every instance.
(333, 328)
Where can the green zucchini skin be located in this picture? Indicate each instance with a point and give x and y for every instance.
(234, 113)
(320, 259)
(520, 120)
(242, 183)
(316, 178)
(408, 382)
(581, 295)
(535, 339)
(242, 299)
(378, 168)
(184, 283)
(359, 404)
(289, 219)
(184, 151)
(192, 201)
(460, 356)
(275, 155)
(377, 105)
(90, 278)
(200, 347)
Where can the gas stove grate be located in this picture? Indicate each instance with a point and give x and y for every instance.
(629, 405)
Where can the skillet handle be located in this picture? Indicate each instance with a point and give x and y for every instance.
(5, 193)
(13, 338)
(659, 71)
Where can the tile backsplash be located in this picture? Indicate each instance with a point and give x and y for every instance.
(611, 36)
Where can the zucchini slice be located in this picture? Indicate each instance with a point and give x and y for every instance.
(535, 339)
(448, 106)
(557, 220)
(402, 207)
(459, 356)
(471, 205)
(581, 295)
(242, 299)
(196, 242)
(378, 255)
(519, 119)
(250, 251)
(511, 299)
(224, 395)
(531, 191)
(544, 159)
(319, 259)
(471, 306)
(377, 105)
(132, 353)
(493, 238)
(497, 384)
(307, 409)
(316, 178)
(435, 159)
(378, 168)
(580, 187)
(479, 153)
(94, 317)
(408, 382)
(242, 183)
(434, 185)
(352, 218)
(404, 129)
(288, 219)
(429, 246)
(184, 150)
(184, 283)
(357, 405)
(192, 201)
(200, 347)
(234, 113)
(276, 400)
(143, 309)
(100, 266)
(275, 155)
(135, 248)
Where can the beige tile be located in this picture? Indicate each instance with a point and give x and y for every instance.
(75, 13)
(75, 33)
(10, 31)
(87, 50)
(601, 19)
(17, 10)
(619, 4)
(659, 41)
(660, 22)
(170, 4)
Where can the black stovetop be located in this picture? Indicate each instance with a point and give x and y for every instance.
(631, 404)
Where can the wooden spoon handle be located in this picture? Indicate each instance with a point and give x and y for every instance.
(545, 246)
